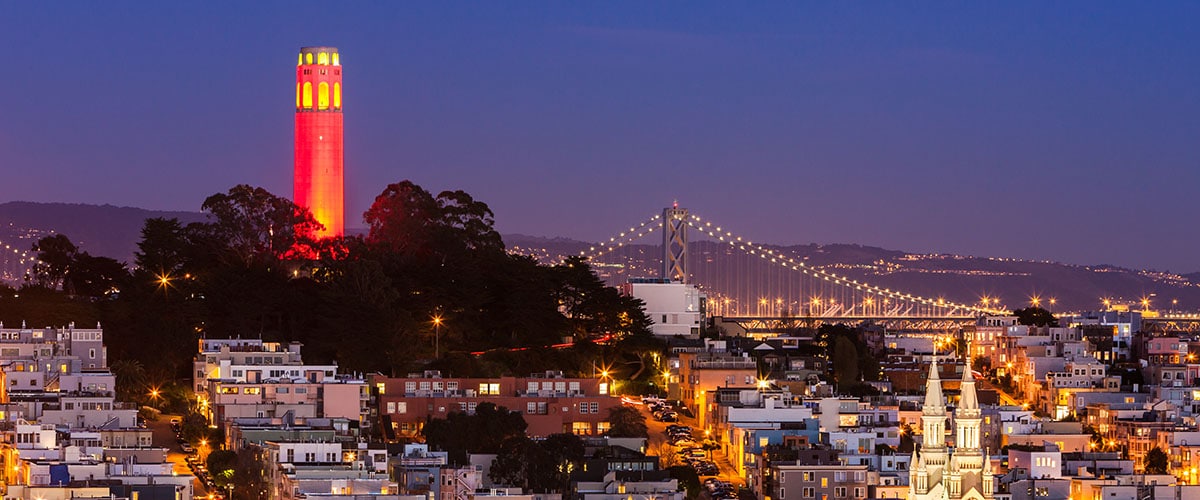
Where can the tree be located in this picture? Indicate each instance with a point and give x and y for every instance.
(252, 226)
(490, 427)
(688, 479)
(94, 276)
(1156, 461)
(907, 441)
(544, 465)
(221, 466)
(845, 363)
(624, 421)
(131, 378)
(163, 248)
(249, 476)
(55, 255)
(1035, 316)
(512, 465)
(408, 220)
(982, 363)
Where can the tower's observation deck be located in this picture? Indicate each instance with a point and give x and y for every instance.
(318, 179)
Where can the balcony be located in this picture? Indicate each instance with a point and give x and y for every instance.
(725, 364)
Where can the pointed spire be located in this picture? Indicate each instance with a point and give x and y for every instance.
(912, 463)
(987, 462)
(969, 399)
(933, 388)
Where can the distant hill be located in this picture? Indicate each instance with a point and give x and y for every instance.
(114, 231)
(105, 230)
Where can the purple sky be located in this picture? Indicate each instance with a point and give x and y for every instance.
(1051, 130)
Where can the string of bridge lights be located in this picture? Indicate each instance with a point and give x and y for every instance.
(25, 255)
(616, 242)
(646, 227)
(790, 263)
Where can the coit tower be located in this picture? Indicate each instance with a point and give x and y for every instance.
(317, 183)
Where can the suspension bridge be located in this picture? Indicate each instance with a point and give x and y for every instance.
(765, 290)
(772, 290)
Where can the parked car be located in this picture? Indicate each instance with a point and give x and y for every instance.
(187, 448)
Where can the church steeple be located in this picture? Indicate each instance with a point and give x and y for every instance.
(933, 390)
(936, 473)
(969, 399)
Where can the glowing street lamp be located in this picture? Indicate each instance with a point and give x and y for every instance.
(437, 327)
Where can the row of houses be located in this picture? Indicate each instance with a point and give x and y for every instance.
(64, 432)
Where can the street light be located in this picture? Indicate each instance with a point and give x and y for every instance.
(437, 327)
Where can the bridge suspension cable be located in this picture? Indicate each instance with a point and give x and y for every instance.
(787, 262)
(16, 258)
(620, 240)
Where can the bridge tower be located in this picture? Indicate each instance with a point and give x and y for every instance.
(675, 242)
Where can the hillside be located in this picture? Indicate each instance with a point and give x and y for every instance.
(98, 229)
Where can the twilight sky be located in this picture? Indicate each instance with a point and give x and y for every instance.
(1050, 130)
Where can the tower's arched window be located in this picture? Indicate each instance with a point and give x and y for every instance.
(298, 95)
(337, 95)
(307, 95)
(323, 95)
(323, 59)
(336, 60)
(300, 59)
(308, 57)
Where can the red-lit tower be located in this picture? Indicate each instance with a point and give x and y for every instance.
(317, 184)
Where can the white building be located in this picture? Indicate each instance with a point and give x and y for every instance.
(676, 308)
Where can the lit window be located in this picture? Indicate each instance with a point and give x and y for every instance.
(323, 96)
(300, 59)
(336, 60)
(307, 101)
(337, 95)
(298, 93)
(308, 58)
(323, 59)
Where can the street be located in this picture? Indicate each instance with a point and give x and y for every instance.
(164, 437)
(657, 444)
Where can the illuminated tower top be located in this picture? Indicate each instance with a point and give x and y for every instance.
(319, 80)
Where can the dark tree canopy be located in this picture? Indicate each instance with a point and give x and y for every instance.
(539, 465)
(252, 226)
(55, 256)
(1035, 316)
(1156, 461)
(490, 427)
(252, 270)
(624, 421)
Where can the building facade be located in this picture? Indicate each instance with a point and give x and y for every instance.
(549, 402)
